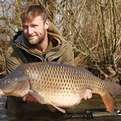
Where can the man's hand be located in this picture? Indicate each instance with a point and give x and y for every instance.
(86, 94)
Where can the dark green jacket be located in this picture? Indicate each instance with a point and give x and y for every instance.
(58, 50)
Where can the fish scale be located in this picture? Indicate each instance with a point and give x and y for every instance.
(54, 74)
(59, 85)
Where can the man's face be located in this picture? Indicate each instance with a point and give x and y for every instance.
(35, 30)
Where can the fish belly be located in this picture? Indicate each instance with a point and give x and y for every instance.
(62, 100)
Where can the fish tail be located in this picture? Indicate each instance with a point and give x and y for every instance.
(108, 101)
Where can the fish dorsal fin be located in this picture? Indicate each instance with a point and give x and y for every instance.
(42, 100)
(109, 102)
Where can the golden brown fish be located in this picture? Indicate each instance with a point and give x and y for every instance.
(58, 85)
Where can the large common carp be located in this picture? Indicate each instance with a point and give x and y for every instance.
(58, 85)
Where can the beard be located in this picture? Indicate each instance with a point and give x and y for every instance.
(36, 39)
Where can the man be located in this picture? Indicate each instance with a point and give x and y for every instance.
(38, 41)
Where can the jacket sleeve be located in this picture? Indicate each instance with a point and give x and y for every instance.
(11, 60)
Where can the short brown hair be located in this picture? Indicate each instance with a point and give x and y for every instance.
(33, 11)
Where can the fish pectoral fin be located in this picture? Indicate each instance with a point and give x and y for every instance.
(37, 96)
(58, 108)
(109, 102)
